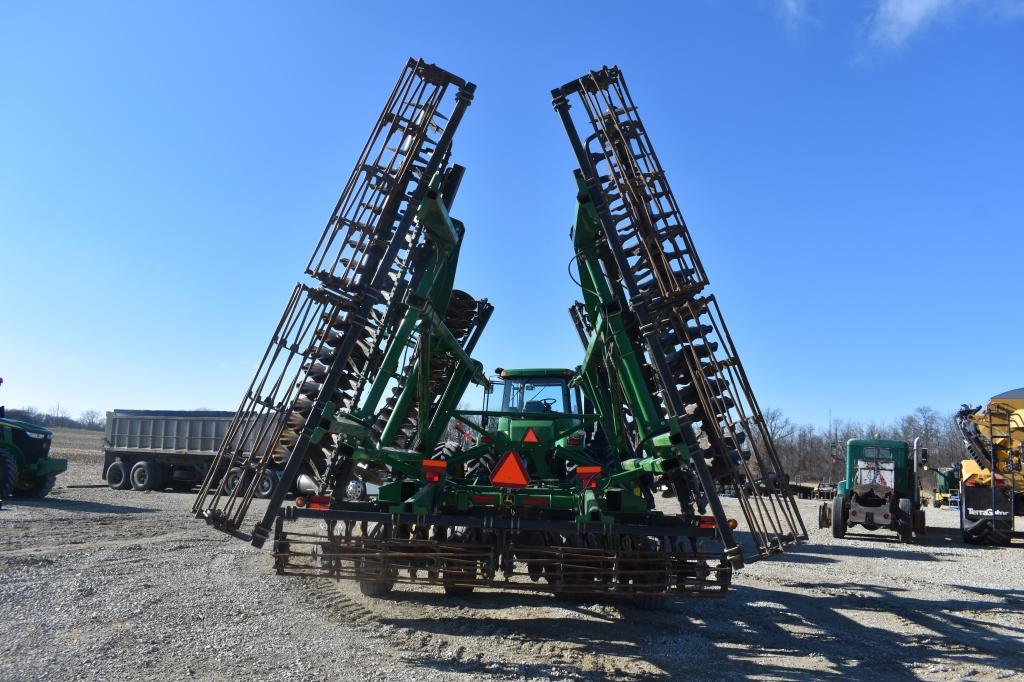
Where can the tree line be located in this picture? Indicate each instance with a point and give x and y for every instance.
(57, 417)
(807, 454)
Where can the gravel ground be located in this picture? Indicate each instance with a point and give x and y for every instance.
(102, 584)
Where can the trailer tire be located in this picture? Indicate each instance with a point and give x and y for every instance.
(8, 474)
(823, 521)
(838, 517)
(117, 476)
(905, 521)
(920, 525)
(146, 475)
(267, 485)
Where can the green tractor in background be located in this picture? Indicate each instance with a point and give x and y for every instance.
(26, 468)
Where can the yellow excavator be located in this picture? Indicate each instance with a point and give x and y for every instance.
(991, 480)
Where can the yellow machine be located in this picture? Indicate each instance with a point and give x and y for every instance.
(992, 480)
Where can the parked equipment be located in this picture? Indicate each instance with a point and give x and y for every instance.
(947, 482)
(992, 481)
(160, 449)
(26, 468)
(553, 491)
(881, 489)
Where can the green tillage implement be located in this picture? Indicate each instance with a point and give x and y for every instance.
(560, 480)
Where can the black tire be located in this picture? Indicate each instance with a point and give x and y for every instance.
(920, 524)
(267, 485)
(823, 516)
(905, 521)
(146, 475)
(838, 517)
(117, 476)
(8, 474)
(458, 590)
(231, 479)
(376, 588)
(39, 488)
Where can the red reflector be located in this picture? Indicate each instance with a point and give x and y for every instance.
(482, 499)
(885, 516)
(433, 469)
(853, 512)
(707, 522)
(318, 502)
(538, 501)
(588, 476)
(575, 441)
(510, 472)
(530, 436)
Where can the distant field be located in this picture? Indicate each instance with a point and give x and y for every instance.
(78, 445)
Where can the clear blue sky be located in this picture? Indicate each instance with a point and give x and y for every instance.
(851, 172)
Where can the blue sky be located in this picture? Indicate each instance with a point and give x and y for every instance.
(851, 172)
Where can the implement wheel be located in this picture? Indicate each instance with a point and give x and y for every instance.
(838, 517)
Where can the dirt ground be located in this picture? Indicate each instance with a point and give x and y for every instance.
(103, 584)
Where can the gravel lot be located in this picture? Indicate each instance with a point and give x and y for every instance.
(102, 584)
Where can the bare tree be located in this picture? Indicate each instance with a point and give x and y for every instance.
(91, 419)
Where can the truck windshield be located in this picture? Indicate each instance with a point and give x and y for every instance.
(877, 453)
(535, 395)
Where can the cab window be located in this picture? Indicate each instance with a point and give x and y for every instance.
(535, 395)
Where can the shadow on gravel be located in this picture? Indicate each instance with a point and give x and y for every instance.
(78, 506)
(822, 554)
(754, 631)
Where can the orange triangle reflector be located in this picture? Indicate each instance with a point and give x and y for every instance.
(531, 436)
(510, 472)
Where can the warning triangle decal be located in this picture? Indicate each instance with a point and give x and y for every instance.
(510, 472)
(530, 436)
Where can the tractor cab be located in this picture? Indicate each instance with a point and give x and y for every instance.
(540, 403)
(539, 419)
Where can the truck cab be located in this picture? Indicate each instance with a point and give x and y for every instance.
(880, 489)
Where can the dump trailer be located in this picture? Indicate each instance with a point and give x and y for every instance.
(160, 449)
(992, 480)
(881, 489)
(551, 490)
(26, 468)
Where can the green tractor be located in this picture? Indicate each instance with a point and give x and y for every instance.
(26, 468)
(881, 489)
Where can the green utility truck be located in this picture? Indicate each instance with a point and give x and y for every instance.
(26, 468)
(881, 489)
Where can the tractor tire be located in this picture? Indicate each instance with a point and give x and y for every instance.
(146, 475)
(38, 489)
(905, 520)
(838, 517)
(117, 476)
(8, 474)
